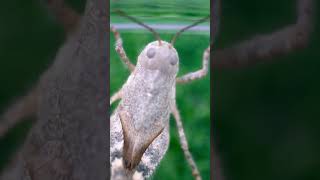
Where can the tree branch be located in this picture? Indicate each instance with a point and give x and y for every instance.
(64, 14)
(26, 106)
(19, 111)
(69, 139)
(263, 48)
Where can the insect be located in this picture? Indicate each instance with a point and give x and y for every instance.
(139, 126)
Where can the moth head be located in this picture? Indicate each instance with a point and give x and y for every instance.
(162, 57)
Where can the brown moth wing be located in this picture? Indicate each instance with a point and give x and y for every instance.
(134, 145)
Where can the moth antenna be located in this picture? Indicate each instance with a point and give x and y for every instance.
(121, 13)
(188, 27)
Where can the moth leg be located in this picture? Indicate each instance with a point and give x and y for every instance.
(116, 96)
(120, 50)
(184, 144)
(197, 74)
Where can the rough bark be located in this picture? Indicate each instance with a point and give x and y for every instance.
(69, 139)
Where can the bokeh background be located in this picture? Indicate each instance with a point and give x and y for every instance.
(193, 99)
(266, 117)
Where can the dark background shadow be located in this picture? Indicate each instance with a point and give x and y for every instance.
(266, 117)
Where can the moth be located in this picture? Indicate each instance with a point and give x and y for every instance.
(139, 126)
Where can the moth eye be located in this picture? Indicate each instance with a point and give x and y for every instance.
(151, 52)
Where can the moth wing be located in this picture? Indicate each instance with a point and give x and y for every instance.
(135, 143)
